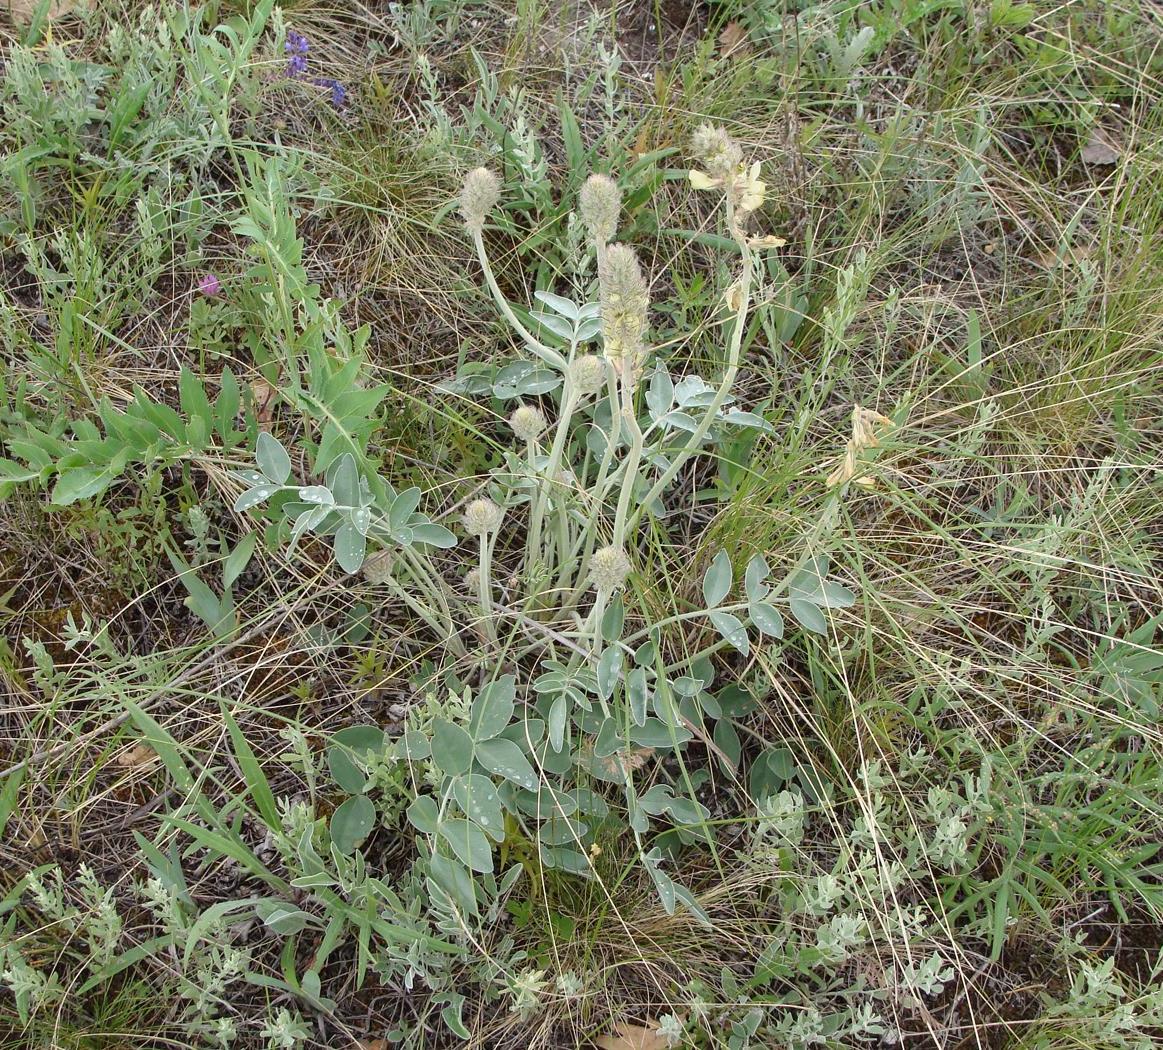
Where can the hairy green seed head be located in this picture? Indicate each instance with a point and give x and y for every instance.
(624, 301)
(478, 197)
(609, 568)
(482, 516)
(528, 422)
(720, 154)
(377, 570)
(600, 204)
(588, 374)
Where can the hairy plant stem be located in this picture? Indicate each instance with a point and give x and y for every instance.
(630, 474)
(590, 536)
(549, 356)
(568, 405)
(486, 585)
(421, 610)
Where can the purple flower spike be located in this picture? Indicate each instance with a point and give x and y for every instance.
(209, 285)
(297, 46)
(338, 91)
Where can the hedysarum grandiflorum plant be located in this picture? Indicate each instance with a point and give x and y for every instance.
(601, 431)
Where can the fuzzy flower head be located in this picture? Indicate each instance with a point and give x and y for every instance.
(482, 516)
(609, 568)
(600, 204)
(377, 570)
(478, 197)
(722, 158)
(528, 422)
(209, 285)
(720, 154)
(624, 301)
(588, 374)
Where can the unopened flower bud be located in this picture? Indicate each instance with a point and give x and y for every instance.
(528, 422)
(481, 191)
(609, 568)
(588, 374)
(482, 516)
(600, 204)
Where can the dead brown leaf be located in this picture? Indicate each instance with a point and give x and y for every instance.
(23, 10)
(1071, 257)
(632, 1037)
(626, 761)
(265, 398)
(1101, 147)
(733, 41)
(138, 755)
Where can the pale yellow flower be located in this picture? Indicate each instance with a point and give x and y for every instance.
(700, 180)
(750, 188)
(867, 426)
(769, 241)
(743, 186)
